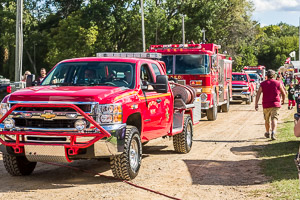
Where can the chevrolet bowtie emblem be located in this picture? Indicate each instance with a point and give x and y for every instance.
(48, 115)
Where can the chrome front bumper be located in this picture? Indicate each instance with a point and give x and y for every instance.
(105, 147)
(240, 95)
(205, 105)
(114, 144)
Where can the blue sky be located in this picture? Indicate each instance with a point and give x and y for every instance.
(269, 12)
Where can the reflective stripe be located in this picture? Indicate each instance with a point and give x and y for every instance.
(124, 95)
(155, 96)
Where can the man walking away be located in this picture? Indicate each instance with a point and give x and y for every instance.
(271, 90)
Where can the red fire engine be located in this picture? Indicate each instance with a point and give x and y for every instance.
(202, 67)
(260, 70)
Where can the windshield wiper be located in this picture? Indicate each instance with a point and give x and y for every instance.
(61, 84)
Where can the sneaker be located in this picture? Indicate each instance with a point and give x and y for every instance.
(267, 135)
(289, 108)
(273, 136)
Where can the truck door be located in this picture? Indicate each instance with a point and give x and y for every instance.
(152, 114)
(166, 105)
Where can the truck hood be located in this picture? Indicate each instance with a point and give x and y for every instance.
(65, 93)
(239, 83)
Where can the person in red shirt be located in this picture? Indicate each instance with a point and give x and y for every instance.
(271, 90)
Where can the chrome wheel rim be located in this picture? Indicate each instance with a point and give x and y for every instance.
(134, 155)
(189, 135)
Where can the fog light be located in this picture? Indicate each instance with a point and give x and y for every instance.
(80, 125)
(9, 123)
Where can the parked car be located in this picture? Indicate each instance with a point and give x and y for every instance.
(256, 79)
(242, 88)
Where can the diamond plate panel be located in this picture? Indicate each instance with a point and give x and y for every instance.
(44, 153)
(197, 110)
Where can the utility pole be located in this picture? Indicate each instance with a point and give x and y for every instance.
(203, 31)
(143, 26)
(183, 32)
(19, 41)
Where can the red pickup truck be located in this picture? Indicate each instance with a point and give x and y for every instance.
(89, 108)
(242, 88)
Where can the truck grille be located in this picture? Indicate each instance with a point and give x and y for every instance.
(43, 118)
(83, 107)
(238, 88)
(40, 123)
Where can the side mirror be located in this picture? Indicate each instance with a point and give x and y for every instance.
(161, 85)
(30, 80)
(214, 61)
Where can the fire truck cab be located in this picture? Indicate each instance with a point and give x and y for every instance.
(260, 70)
(202, 67)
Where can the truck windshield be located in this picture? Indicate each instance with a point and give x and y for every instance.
(253, 76)
(239, 77)
(92, 74)
(187, 64)
(258, 71)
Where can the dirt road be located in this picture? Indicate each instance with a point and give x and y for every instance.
(221, 165)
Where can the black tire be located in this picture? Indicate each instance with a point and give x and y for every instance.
(18, 165)
(212, 112)
(219, 109)
(225, 107)
(183, 141)
(252, 98)
(126, 165)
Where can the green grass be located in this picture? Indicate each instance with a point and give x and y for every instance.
(278, 163)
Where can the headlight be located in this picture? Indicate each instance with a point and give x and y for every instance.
(3, 109)
(110, 113)
(80, 125)
(9, 123)
(203, 97)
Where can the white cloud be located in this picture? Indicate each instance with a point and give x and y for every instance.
(278, 5)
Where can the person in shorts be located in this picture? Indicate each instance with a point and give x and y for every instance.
(271, 90)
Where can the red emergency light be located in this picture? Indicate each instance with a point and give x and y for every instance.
(8, 89)
(185, 48)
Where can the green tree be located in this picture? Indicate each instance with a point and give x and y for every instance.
(71, 39)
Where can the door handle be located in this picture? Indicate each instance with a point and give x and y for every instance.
(158, 100)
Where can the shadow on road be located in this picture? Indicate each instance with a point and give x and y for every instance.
(277, 158)
(272, 149)
(226, 173)
(157, 150)
(47, 176)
